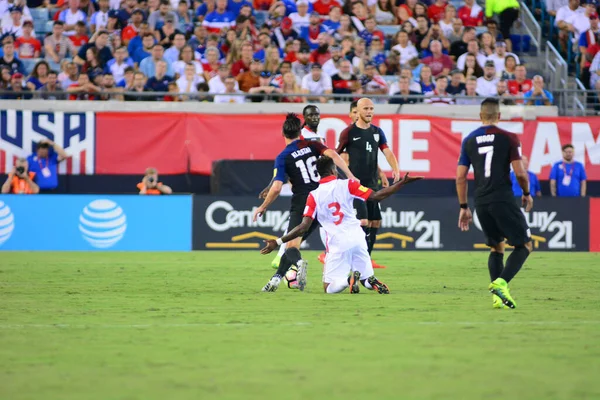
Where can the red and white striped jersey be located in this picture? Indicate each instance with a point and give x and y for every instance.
(307, 134)
(332, 205)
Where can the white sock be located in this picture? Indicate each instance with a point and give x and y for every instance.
(283, 247)
(323, 235)
(367, 284)
(336, 287)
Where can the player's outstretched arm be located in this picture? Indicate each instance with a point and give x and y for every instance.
(293, 234)
(271, 196)
(340, 163)
(390, 190)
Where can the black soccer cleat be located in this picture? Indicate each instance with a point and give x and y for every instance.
(378, 286)
(353, 281)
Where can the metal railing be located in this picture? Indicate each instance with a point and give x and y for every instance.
(580, 99)
(556, 73)
(531, 26)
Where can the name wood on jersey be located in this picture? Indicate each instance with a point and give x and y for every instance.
(485, 139)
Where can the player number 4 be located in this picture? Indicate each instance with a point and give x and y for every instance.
(489, 153)
(335, 208)
(369, 147)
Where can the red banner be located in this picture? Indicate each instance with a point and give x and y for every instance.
(594, 225)
(127, 143)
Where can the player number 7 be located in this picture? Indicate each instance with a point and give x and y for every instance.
(336, 212)
(489, 153)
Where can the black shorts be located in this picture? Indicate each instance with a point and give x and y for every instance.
(503, 220)
(297, 215)
(507, 19)
(369, 210)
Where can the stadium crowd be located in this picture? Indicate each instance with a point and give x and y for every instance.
(240, 51)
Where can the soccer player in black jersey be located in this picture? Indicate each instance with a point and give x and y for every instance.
(361, 141)
(491, 151)
(297, 161)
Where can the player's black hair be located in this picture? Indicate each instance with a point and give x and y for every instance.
(292, 126)
(308, 107)
(567, 146)
(490, 108)
(325, 166)
(353, 105)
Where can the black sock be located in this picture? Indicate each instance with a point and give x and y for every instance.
(495, 264)
(293, 254)
(372, 239)
(284, 265)
(366, 230)
(514, 263)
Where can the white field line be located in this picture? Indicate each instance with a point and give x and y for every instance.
(241, 324)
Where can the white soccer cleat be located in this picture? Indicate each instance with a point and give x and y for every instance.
(272, 285)
(301, 276)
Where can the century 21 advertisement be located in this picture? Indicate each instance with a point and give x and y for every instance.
(407, 224)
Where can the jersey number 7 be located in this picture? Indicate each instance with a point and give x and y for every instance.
(489, 153)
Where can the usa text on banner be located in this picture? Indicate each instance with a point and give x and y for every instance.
(75, 132)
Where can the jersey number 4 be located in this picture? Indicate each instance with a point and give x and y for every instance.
(335, 208)
(489, 153)
(308, 169)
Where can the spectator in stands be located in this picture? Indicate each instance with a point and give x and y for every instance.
(250, 79)
(145, 50)
(80, 38)
(109, 91)
(39, 76)
(117, 65)
(499, 57)
(447, 21)
(413, 86)
(127, 82)
(321, 54)
(461, 47)
(457, 31)
(284, 33)
(372, 83)
(426, 80)
(472, 49)
(333, 23)
(405, 95)
(377, 55)
(148, 64)
(204, 9)
(510, 65)
(70, 76)
(383, 12)
(359, 56)
(404, 48)
(301, 67)
(486, 44)
(158, 18)
(5, 7)
(520, 85)
(420, 32)
(568, 177)
(71, 16)
(344, 81)
(589, 44)
(150, 184)
(5, 77)
(346, 28)
(371, 31)
(212, 64)
(538, 96)
(331, 66)
(243, 64)
(220, 18)
(300, 19)
(184, 22)
(290, 88)
(188, 82)
(284, 68)
(472, 67)
(311, 32)
(564, 17)
(135, 26)
(264, 41)
(471, 14)
(83, 89)
(51, 90)
(20, 180)
(440, 63)
(272, 60)
(15, 25)
(580, 22)
(164, 35)
(440, 96)
(138, 86)
(9, 58)
(199, 37)
(317, 84)
(434, 33)
(235, 6)
(127, 8)
(16, 91)
(159, 82)
(137, 42)
(172, 53)
(173, 94)
(27, 45)
(44, 163)
(217, 83)
(508, 13)
(470, 96)
(503, 93)
(456, 85)
(435, 12)
(99, 19)
(92, 65)
(323, 7)
(406, 11)
(594, 71)
(231, 94)
(360, 14)
(486, 85)
(534, 184)
(99, 41)
(265, 87)
(552, 6)
(186, 56)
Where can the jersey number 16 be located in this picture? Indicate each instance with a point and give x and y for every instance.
(308, 169)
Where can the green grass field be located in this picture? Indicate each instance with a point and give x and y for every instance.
(195, 326)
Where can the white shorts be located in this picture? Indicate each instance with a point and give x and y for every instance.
(338, 265)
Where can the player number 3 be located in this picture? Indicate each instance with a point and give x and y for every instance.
(335, 208)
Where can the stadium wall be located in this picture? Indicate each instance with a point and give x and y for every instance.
(185, 222)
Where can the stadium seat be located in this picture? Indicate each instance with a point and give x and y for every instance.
(40, 13)
(29, 63)
(390, 78)
(49, 26)
(389, 30)
(261, 17)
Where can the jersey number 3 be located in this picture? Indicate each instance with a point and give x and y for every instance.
(308, 169)
(335, 208)
(489, 153)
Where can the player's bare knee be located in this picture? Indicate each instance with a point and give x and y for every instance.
(499, 248)
(375, 224)
(325, 286)
(529, 246)
(364, 222)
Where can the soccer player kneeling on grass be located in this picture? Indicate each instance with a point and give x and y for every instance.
(347, 261)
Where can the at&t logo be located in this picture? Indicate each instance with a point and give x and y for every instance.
(7, 223)
(102, 223)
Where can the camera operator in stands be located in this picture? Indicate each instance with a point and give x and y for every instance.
(20, 180)
(151, 185)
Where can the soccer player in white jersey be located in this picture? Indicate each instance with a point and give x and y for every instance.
(347, 261)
